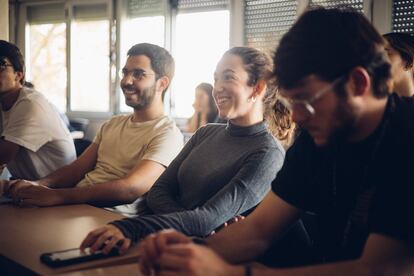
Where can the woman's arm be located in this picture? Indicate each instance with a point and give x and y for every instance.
(245, 190)
(162, 197)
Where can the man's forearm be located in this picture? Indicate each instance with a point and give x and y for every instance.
(65, 177)
(8, 151)
(241, 238)
(355, 267)
(108, 194)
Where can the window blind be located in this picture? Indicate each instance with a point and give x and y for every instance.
(138, 8)
(88, 12)
(403, 16)
(355, 4)
(202, 4)
(266, 21)
(38, 14)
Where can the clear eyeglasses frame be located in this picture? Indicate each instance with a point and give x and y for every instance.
(4, 65)
(306, 106)
(137, 74)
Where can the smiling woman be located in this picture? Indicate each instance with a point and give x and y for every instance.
(223, 170)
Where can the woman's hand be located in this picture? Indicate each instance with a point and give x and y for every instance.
(106, 238)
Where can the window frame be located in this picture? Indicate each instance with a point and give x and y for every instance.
(117, 14)
(69, 6)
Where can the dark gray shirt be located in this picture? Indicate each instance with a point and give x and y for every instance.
(223, 171)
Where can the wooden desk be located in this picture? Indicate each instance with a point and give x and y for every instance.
(128, 269)
(26, 233)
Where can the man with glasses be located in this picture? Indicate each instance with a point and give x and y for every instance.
(129, 152)
(33, 139)
(350, 166)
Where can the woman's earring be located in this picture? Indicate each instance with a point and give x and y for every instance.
(253, 98)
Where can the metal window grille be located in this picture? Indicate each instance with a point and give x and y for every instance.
(403, 16)
(137, 8)
(266, 21)
(355, 4)
(202, 4)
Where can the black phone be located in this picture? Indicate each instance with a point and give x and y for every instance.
(74, 256)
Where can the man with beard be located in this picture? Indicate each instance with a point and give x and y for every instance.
(351, 165)
(129, 152)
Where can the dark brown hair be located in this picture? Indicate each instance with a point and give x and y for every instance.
(208, 89)
(161, 60)
(330, 43)
(12, 52)
(403, 44)
(258, 65)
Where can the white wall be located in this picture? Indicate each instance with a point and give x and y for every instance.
(4, 19)
(382, 15)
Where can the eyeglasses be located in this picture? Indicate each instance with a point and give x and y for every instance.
(306, 106)
(137, 74)
(4, 65)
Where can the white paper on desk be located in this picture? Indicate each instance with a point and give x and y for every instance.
(4, 200)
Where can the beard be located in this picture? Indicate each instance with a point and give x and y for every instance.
(346, 120)
(145, 97)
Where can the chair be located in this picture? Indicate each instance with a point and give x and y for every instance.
(77, 127)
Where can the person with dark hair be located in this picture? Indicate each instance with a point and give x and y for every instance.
(204, 106)
(33, 139)
(129, 152)
(161, 62)
(223, 171)
(400, 49)
(350, 165)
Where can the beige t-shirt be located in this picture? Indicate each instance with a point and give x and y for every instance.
(45, 142)
(123, 143)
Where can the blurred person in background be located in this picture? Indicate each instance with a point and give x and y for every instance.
(400, 49)
(205, 109)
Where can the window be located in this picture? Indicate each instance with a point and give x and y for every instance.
(75, 48)
(403, 16)
(88, 69)
(90, 79)
(47, 61)
(46, 52)
(201, 40)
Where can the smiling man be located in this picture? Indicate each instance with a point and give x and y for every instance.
(351, 165)
(129, 152)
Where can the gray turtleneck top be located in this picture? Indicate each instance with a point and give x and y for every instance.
(223, 171)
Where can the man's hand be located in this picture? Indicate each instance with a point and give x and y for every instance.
(105, 238)
(192, 259)
(11, 188)
(153, 246)
(26, 193)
